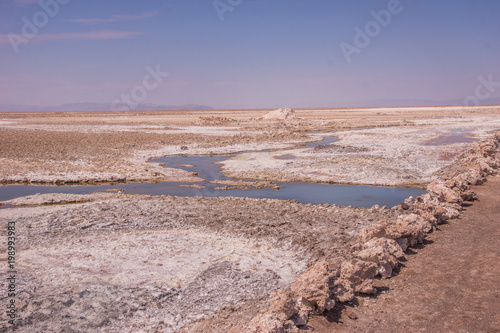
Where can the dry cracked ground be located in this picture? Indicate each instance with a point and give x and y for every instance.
(113, 262)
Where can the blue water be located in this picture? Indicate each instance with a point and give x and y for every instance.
(207, 168)
(454, 136)
(347, 195)
(327, 140)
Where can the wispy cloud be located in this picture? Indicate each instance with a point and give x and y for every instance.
(114, 18)
(100, 34)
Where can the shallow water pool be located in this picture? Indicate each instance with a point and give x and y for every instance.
(208, 169)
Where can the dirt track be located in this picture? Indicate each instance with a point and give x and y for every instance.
(450, 285)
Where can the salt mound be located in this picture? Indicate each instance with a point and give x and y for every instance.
(281, 114)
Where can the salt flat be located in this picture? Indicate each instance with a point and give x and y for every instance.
(119, 262)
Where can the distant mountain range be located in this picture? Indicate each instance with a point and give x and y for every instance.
(155, 107)
(97, 107)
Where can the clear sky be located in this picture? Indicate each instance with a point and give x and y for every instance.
(248, 53)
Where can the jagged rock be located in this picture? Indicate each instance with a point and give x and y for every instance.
(430, 209)
(365, 287)
(407, 203)
(342, 291)
(360, 275)
(487, 148)
(443, 193)
(283, 316)
(457, 184)
(469, 195)
(284, 304)
(484, 167)
(375, 231)
(300, 318)
(472, 177)
(492, 162)
(451, 211)
(312, 288)
(403, 243)
(386, 253)
(310, 294)
(428, 206)
(411, 226)
(429, 217)
(290, 327)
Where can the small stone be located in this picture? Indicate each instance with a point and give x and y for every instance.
(351, 314)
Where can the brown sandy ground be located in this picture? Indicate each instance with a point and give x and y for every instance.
(97, 147)
(451, 284)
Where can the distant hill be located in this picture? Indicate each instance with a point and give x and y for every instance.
(155, 107)
(97, 107)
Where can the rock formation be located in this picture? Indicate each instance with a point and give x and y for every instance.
(281, 114)
(381, 247)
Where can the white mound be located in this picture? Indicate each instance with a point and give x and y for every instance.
(281, 114)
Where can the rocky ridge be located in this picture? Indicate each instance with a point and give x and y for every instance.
(380, 248)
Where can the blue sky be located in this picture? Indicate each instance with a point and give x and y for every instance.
(262, 54)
